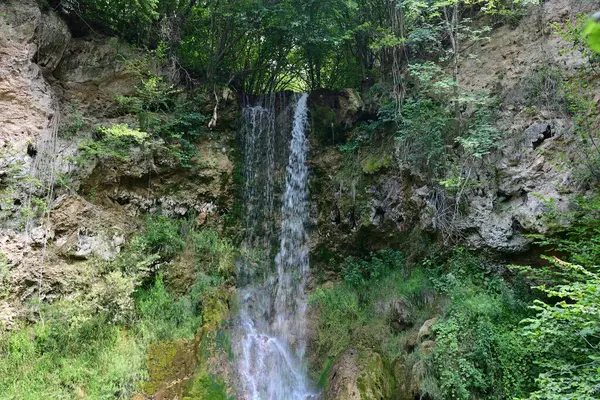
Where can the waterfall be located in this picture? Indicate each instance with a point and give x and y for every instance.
(272, 299)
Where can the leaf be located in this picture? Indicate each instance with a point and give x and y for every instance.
(591, 32)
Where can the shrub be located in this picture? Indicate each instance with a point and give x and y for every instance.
(162, 235)
(360, 272)
(161, 316)
(216, 255)
(564, 335)
(479, 352)
(544, 87)
(113, 142)
(72, 353)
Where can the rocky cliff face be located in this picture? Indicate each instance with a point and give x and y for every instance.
(372, 197)
(58, 214)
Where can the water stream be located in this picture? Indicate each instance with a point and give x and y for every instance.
(272, 298)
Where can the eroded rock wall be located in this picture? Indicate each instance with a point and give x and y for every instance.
(371, 196)
(58, 211)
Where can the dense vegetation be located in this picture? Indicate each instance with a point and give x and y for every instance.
(267, 45)
(502, 332)
(94, 343)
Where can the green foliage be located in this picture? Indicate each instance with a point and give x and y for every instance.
(165, 113)
(4, 273)
(575, 233)
(565, 335)
(208, 387)
(75, 122)
(591, 32)
(544, 88)
(580, 32)
(70, 353)
(216, 255)
(479, 352)
(582, 107)
(481, 136)
(261, 45)
(162, 316)
(93, 343)
(352, 317)
(113, 142)
(130, 19)
(425, 123)
(360, 272)
(162, 235)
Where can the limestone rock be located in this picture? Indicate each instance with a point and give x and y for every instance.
(350, 105)
(425, 330)
(52, 36)
(27, 102)
(427, 347)
(397, 313)
(359, 375)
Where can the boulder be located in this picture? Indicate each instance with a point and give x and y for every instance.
(397, 313)
(359, 375)
(425, 330)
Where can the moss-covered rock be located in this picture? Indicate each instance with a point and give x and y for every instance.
(213, 377)
(359, 375)
(170, 366)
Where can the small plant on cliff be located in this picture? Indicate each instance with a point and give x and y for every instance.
(113, 142)
(358, 273)
(162, 235)
(4, 275)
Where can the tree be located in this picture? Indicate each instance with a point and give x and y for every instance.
(565, 335)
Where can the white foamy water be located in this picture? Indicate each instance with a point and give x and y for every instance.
(273, 303)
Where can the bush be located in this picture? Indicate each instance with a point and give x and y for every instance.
(353, 317)
(161, 316)
(544, 87)
(360, 272)
(113, 142)
(479, 353)
(564, 334)
(71, 353)
(93, 344)
(162, 235)
(216, 255)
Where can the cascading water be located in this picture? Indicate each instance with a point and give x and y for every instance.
(272, 300)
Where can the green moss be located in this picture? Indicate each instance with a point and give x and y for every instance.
(374, 163)
(208, 388)
(162, 365)
(214, 308)
(374, 381)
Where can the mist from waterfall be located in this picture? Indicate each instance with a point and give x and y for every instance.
(272, 298)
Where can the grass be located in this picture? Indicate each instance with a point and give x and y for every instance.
(78, 349)
(71, 353)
